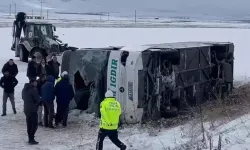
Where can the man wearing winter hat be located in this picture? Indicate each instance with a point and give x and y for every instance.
(57, 108)
(64, 94)
(62, 74)
(110, 110)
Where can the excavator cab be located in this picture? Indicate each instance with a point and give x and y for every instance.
(34, 30)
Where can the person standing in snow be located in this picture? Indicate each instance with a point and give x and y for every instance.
(32, 69)
(54, 66)
(58, 80)
(110, 110)
(64, 94)
(31, 100)
(48, 96)
(40, 82)
(62, 74)
(8, 83)
(42, 68)
(10, 67)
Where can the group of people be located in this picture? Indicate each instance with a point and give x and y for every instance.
(35, 69)
(41, 93)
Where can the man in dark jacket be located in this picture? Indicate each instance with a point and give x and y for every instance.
(53, 67)
(42, 68)
(8, 83)
(64, 94)
(10, 67)
(32, 69)
(31, 100)
(40, 82)
(48, 96)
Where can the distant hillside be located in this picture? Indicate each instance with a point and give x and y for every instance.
(223, 9)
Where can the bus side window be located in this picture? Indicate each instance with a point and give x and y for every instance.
(124, 57)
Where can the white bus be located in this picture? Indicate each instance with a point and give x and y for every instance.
(150, 81)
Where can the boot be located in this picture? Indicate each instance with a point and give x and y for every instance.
(33, 142)
(3, 114)
(64, 124)
(14, 111)
(56, 123)
(123, 147)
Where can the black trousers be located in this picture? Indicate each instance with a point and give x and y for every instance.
(48, 114)
(113, 136)
(62, 114)
(32, 124)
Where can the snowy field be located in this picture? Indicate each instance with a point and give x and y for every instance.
(82, 130)
(109, 21)
(111, 13)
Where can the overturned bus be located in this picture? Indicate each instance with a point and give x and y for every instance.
(151, 81)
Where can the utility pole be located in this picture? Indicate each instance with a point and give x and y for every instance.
(15, 8)
(41, 8)
(32, 13)
(10, 9)
(135, 16)
(47, 14)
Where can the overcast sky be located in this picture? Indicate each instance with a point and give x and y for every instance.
(233, 8)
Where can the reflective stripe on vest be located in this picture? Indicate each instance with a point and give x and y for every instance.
(57, 80)
(109, 125)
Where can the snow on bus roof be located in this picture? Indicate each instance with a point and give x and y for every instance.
(180, 45)
(171, 46)
(135, 47)
(156, 47)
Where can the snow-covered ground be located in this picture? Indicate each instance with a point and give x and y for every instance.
(97, 21)
(82, 130)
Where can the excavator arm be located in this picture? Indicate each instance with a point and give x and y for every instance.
(13, 36)
(18, 26)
